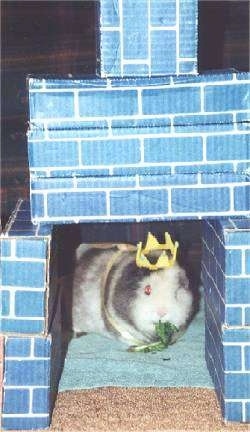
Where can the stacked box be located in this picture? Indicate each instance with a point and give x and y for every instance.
(1, 372)
(226, 279)
(25, 277)
(148, 37)
(26, 390)
(28, 302)
(139, 149)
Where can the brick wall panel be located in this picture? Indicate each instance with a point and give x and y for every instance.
(227, 316)
(148, 38)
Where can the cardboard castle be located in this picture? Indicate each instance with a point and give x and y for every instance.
(147, 139)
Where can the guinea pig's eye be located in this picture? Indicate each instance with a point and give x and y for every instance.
(147, 289)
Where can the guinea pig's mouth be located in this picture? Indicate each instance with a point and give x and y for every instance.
(165, 320)
(160, 320)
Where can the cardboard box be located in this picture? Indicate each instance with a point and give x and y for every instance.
(28, 285)
(226, 279)
(32, 368)
(1, 373)
(30, 323)
(26, 382)
(139, 149)
(142, 38)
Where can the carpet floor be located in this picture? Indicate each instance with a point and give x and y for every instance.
(116, 409)
(130, 410)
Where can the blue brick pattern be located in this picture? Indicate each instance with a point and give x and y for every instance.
(26, 383)
(24, 279)
(149, 137)
(32, 357)
(226, 280)
(148, 37)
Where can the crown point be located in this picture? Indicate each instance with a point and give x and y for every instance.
(152, 244)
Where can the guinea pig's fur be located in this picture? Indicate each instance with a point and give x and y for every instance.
(134, 311)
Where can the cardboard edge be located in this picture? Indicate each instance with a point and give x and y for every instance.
(1, 375)
(12, 217)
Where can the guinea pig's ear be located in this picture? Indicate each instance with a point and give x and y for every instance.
(132, 271)
(143, 272)
(153, 256)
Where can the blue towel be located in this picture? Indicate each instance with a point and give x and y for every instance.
(96, 361)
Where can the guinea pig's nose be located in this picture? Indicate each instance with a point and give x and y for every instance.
(161, 312)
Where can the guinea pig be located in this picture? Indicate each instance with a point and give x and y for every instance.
(115, 297)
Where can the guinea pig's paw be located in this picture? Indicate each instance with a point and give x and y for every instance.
(77, 334)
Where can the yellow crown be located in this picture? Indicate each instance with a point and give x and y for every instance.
(164, 261)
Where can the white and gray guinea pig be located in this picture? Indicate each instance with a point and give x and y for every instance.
(114, 297)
